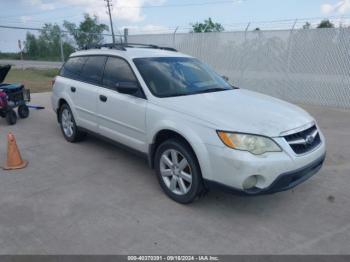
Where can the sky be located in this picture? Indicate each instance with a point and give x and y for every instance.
(158, 16)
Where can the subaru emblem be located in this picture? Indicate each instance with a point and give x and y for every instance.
(309, 139)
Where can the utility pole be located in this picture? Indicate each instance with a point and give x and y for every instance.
(126, 34)
(109, 6)
(21, 50)
(61, 46)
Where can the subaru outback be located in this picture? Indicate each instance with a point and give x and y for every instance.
(196, 129)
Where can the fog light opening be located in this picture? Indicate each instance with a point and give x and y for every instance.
(250, 182)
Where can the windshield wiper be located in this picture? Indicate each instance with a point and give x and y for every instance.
(210, 90)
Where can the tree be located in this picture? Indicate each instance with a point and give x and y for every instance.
(88, 33)
(307, 25)
(47, 44)
(207, 26)
(326, 24)
(31, 45)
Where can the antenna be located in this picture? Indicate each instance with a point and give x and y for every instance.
(109, 7)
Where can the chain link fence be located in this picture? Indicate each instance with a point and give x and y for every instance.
(36, 54)
(28, 47)
(309, 66)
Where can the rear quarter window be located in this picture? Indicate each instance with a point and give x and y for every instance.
(73, 67)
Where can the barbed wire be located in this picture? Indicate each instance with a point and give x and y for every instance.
(281, 24)
(267, 25)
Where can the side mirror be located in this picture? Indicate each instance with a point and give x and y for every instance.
(129, 88)
(225, 78)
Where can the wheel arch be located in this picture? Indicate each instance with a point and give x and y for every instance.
(161, 136)
(60, 102)
(193, 141)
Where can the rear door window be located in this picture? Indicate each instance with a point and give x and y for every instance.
(73, 67)
(93, 69)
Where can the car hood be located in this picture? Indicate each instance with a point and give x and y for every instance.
(241, 111)
(3, 72)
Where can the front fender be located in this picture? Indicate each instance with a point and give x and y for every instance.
(193, 135)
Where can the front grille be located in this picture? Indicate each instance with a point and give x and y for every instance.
(304, 141)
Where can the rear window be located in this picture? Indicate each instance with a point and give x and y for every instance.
(93, 69)
(73, 67)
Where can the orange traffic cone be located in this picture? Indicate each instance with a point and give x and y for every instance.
(14, 159)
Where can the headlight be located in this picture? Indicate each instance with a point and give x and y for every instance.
(254, 144)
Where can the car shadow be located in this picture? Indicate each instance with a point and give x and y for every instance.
(213, 199)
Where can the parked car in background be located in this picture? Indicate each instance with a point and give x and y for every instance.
(196, 129)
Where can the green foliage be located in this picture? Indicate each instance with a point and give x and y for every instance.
(46, 46)
(12, 56)
(326, 24)
(51, 73)
(207, 26)
(37, 80)
(88, 33)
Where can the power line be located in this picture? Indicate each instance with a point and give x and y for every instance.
(41, 29)
(272, 24)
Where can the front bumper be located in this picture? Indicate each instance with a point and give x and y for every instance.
(276, 171)
(283, 182)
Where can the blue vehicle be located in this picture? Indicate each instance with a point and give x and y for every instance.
(12, 96)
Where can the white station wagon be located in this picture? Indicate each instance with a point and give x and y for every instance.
(197, 130)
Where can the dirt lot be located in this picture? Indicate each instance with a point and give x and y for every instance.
(95, 198)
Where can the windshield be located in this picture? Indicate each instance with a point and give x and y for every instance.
(178, 76)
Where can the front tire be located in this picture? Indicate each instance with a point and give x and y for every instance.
(69, 128)
(178, 171)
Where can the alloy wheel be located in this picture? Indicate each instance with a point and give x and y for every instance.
(176, 172)
(67, 123)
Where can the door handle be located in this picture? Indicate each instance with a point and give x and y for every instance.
(103, 98)
(73, 89)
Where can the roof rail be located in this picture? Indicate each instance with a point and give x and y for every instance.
(109, 45)
(150, 46)
(123, 46)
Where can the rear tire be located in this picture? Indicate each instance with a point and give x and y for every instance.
(11, 117)
(69, 128)
(23, 111)
(178, 171)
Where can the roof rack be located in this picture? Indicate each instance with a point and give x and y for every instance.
(123, 46)
(132, 45)
(110, 46)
